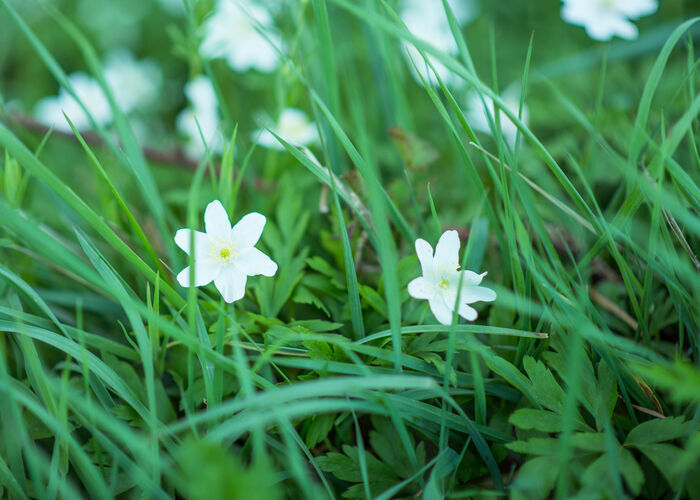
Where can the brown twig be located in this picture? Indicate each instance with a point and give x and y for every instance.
(174, 158)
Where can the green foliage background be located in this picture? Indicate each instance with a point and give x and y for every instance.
(580, 381)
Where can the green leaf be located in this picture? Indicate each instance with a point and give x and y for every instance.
(384, 439)
(589, 441)
(320, 427)
(341, 466)
(659, 430)
(597, 474)
(316, 325)
(374, 299)
(209, 472)
(664, 457)
(536, 477)
(540, 420)
(535, 446)
(303, 295)
(446, 465)
(631, 471)
(607, 391)
(346, 468)
(544, 388)
(317, 349)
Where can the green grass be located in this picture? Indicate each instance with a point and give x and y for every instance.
(581, 380)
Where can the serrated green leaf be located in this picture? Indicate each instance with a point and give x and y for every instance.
(539, 420)
(535, 446)
(544, 387)
(659, 430)
(303, 295)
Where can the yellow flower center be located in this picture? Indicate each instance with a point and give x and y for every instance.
(222, 251)
(444, 284)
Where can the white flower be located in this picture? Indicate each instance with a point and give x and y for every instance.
(203, 106)
(426, 20)
(225, 255)
(440, 280)
(230, 34)
(293, 126)
(135, 84)
(604, 19)
(478, 115)
(49, 110)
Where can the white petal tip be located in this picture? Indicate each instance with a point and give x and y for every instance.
(183, 277)
(272, 271)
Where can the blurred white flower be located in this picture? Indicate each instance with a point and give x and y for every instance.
(478, 115)
(440, 280)
(230, 33)
(135, 84)
(293, 126)
(225, 255)
(427, 20)
(49, 110)
(604, 19)
(202, 110)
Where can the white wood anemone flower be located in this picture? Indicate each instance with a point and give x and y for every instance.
(201, 114)
(427, 20)
(230, 33)
(604, 19)
(135, 84)
(441, 279)
(50, 110)
(293, 126)
(225, 255)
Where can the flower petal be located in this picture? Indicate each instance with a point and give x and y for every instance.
(201, 242)
(636, 8)
(246, 233)
(264, 138)
(613, 24)
(471, 278)
(468, 312)
(441, 311)
(253, 262)
(216, 221)
(419, 288)
(472, 293)
(447, 250)
(231, 283)
(425, 255)
(204, 272)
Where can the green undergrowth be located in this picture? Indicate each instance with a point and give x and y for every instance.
(580, 381)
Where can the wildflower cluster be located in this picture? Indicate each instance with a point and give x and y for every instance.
(227, 256)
